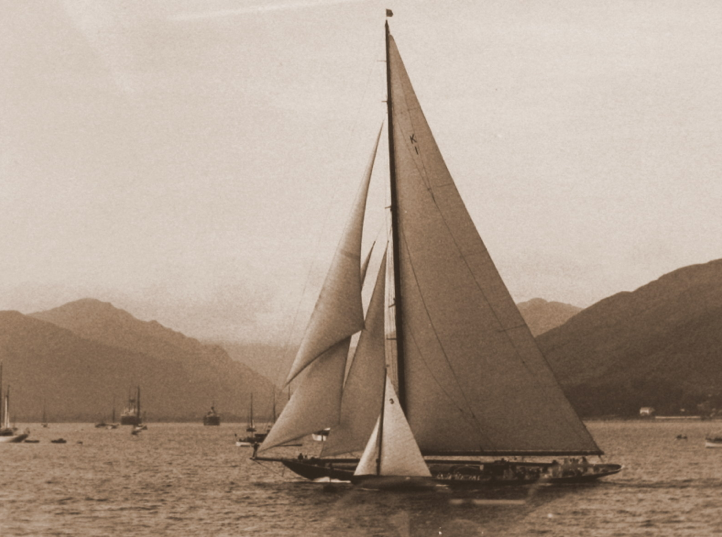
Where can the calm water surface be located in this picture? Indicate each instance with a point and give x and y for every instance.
(186, 479)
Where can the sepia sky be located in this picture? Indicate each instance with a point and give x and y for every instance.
(192, 161)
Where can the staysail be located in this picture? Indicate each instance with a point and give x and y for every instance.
(339, 311)
(400, 455)
(363, 389)
(474, 380)
(321, 358)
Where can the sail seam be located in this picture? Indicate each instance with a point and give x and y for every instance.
(461, 410)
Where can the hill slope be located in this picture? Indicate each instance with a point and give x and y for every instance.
(659, 346)
(541, 315)
(81, 357)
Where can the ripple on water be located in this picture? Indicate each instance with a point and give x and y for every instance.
(113, 484)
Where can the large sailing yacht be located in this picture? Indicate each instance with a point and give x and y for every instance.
(469, 384)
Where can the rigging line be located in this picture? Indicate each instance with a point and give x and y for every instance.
(266, 467)
(544, 388)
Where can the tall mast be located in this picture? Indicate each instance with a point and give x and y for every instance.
(395, 237)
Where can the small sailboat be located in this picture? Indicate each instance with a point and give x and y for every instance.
(110, 425)
(466, 374)
(131, 413)
(252, 438)
(251, 427)
(8, 433)
(137, 420)
(113, 424)
(44, 423)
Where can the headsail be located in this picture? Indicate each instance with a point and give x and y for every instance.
(400, 455)
(316, 402)
(339, 311)
(363, 389)
(475, 380)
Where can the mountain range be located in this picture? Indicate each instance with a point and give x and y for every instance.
(539, 314)
(542, 315)
(80, 360)
(659, 346)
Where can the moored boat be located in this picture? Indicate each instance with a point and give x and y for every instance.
(44, 422)
(131, 413)
(252, 437)
(8, 432)
(212, 417)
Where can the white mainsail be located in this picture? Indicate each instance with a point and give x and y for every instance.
(474, 379)
(399, 454)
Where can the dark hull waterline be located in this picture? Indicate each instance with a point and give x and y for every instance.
(462, 474)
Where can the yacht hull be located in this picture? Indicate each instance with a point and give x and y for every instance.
(391, 482)
(462, 474)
